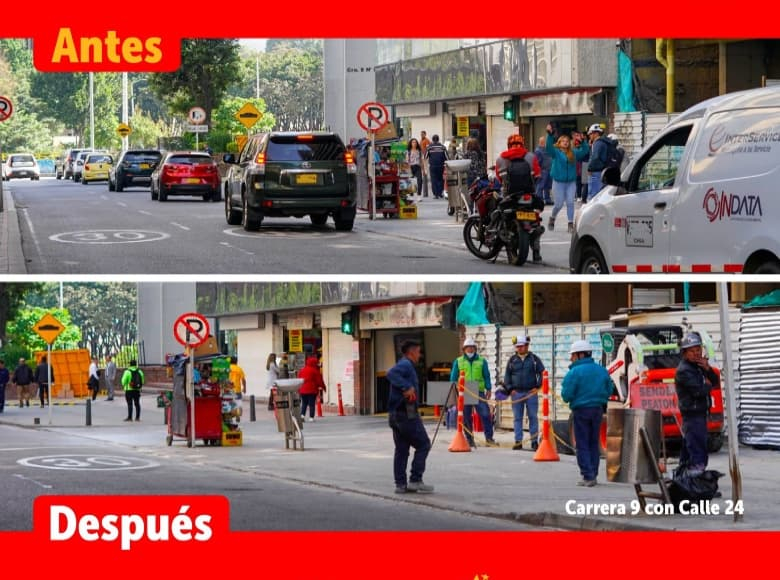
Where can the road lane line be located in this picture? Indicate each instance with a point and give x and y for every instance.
(121, 204)
(180, 226)
(43, 485)
(145, 212)
(248, 253)
(35, 238)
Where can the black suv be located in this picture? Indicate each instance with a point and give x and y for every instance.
(134, 167)
(291, 174)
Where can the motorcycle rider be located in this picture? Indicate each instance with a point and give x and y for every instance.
(518, 177)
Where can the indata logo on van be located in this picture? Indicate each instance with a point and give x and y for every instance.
(683, 203)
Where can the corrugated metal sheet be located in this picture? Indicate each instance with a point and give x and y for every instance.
(655, 122)
(759, 377)
(630, 129)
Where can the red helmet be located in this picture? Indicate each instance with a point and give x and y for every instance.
(514, 140)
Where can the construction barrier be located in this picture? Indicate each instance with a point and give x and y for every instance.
(459, 443)
(547, 450)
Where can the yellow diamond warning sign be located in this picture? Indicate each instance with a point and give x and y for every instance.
(48, 328)
(248, 115)
(123, 130)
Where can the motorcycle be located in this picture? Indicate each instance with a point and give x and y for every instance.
(512, 222)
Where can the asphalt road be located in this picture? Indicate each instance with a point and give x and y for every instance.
(41, 462)
(71, 228)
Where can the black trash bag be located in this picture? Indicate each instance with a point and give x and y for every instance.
(694, 488)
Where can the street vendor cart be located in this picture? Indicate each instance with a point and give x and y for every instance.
(215, 412)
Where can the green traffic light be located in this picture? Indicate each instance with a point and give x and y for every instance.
(346, 323)
(509, 110)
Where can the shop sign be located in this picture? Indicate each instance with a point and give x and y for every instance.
(349, 371)
(304, 321)
(295, 338)
(463, 126)
(563, 103)
(409, 315)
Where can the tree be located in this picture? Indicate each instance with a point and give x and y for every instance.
(104, 312)
(291, 84)
(23, 335)
(12, 297)
(208, 67)
(24, 132)
(225, 126)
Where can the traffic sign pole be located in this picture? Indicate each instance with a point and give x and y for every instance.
(48, 383)
(373, 175)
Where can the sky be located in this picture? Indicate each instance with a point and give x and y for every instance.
(253, 43)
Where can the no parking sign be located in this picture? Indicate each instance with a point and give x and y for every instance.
(6, 108)
(372, 116)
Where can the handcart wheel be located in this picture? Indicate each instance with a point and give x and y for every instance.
(169, 440)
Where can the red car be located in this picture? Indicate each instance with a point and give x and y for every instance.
(186, 173)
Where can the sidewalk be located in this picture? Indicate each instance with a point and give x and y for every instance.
(434, 226)
(11, 257)
(354, 454)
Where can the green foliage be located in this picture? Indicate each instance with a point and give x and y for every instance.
(24, 132)
(208, 67)
(146, 131)
(225, 126)
(11, 353)
(104, 311)
(12, 297)
(290, 83)
(21, 333)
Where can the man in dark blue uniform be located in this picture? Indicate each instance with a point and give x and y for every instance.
(436, 154)
(693, 382)
(404, 419)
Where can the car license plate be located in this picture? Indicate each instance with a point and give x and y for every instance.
(191, 180)
(144, 166)
(306, 179)
(526, 215)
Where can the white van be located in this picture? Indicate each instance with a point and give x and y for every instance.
(703, 196)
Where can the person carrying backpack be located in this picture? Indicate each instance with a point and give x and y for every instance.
(132, 382)
(603, 154)
(517, 169)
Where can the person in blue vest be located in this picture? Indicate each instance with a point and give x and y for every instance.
(587, 388)
(476, 369)
(522, 380)
(404, 419)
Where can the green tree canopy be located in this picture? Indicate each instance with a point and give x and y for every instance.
(208, 67)
(21, 333)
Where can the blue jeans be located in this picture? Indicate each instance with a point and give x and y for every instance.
(594, 184)
(408, 433)
(587, 428)
(563, 191)
(694, 451)
(531, 405)
(308, 401)
(483, 410)
(543, 185)
(437, 180)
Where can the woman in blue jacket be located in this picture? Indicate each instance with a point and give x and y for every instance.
(564, 173)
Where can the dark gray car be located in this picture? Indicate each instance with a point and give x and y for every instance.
(291, 174)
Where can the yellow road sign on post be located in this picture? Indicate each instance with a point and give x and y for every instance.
(123, 130)
(48, 328)
(241, 141)
(248, 115)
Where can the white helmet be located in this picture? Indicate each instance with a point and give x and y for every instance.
(580, 346)
(613, 137)
(469, 342)
(595, 127)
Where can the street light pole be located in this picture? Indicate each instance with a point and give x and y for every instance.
(124, 109)
(92, 110)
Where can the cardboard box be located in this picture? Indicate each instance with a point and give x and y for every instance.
(408, 212)
(232, 439)
(207, 348)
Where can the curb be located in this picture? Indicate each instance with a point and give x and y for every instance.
(11, 256)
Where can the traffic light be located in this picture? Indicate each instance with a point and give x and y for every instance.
(509, 110)
(348, 322)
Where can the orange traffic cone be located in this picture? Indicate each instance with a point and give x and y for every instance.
(546, 450)
(476, 421)
(319, 405)
(459, 442)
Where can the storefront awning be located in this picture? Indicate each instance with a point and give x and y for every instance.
(577, 102)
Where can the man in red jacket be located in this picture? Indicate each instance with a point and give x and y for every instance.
(313, 385)
(504, 167)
